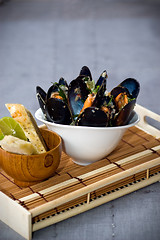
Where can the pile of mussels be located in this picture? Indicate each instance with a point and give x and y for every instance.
(86, 103)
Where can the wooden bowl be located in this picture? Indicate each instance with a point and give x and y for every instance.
(27, 170)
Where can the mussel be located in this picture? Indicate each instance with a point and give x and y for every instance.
(54, 102)
(57, 89)
(85, 71)
(77, 94)
(41, 96)
(57, 111)
(92, 117)
(125, 95)
(132, 85)
(85, 102)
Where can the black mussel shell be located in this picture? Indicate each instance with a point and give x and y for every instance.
(124, 115)
(92, 117)
(99, 96)
(102, 88)
(41, 96)
(77, 94)
(86, 72)
(52, 89)
(132, 85)
(57, 111)
(63, 82)
(117, 90)
(102, 80)
(56, 87)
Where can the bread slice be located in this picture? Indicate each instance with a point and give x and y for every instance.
(16, 145)
(28, 124)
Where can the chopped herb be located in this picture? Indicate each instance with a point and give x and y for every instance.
(130, 99)
(96, 89)
(62, 93)
(111, 98)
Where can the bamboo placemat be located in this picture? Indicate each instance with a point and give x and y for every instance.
(135, 148)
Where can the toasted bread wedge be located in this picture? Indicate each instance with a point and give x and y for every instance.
(28, 124)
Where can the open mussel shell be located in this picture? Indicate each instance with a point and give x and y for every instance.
(63, 82)
(124, 115)
(92, 117)
(55, 87)
(85, 72)
(57, 111)
(117, 90)
(99, 99)
(77, 94)
(102, 88)
(51, 90)
(102, 80)
(132, 85)
(41, 96)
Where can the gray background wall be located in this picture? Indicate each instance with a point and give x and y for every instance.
(42, 40)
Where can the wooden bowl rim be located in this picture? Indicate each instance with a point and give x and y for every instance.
(35, 155)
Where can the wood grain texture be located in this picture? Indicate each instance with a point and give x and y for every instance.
(27, 170)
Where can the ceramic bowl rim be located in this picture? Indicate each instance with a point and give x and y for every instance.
(39, 116)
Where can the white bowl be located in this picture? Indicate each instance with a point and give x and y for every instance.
(86, 145)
